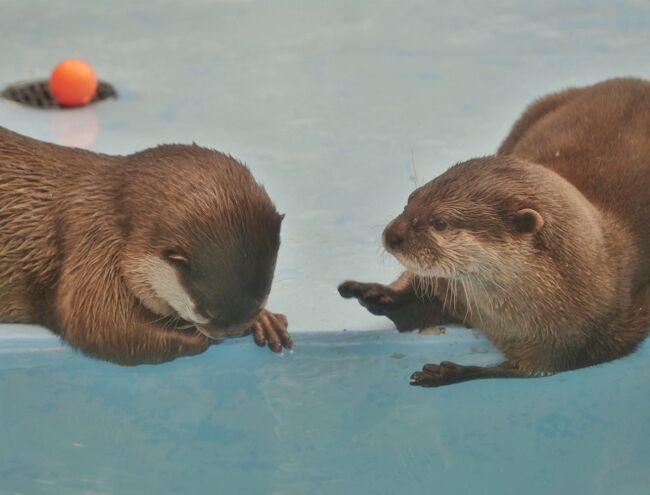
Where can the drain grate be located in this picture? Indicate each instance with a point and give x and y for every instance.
(37, 94)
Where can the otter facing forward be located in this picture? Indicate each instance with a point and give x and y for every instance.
(544, 246)
(140, 258)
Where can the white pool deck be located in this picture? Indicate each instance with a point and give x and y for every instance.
(332, 104)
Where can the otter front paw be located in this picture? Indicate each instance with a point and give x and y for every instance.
(445, 373)
(402, 307)
(379, 299)
(271, 328)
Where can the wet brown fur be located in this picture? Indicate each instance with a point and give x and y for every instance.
(75, 225)
(555, 236)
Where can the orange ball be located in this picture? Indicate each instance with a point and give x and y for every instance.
(73, 82)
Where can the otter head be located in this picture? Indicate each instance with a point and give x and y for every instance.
(485, 218)
(201, 238)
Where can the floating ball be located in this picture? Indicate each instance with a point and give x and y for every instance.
(73, 83)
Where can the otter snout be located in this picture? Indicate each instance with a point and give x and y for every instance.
(218, 333)
(231, 322)
(395, 234)
(212, 333)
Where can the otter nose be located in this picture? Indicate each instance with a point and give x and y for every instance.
(394, 235)
(393, 239)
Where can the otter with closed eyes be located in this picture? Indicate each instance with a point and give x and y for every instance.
(544, 246)
(136, 259)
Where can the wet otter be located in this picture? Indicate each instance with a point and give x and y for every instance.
(140, 258)
(545, 246)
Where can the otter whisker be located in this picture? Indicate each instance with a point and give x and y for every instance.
(161, 318)
(447, 289)
(477, 298)
(486, 294)
(432, 285)
(424, 288)
(468, 304)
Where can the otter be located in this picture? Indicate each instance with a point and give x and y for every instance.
(136, 259)
(544, 246)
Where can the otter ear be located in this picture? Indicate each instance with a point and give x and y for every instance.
(528, 221)
(177, 257)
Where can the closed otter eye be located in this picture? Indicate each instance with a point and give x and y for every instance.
(177, 257)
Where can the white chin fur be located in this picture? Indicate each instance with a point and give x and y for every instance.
(163, 279)
(429, 272)
(416, 269)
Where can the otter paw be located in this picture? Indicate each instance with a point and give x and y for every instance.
(377, 298)
(271, 328)
(436, 375)
(191, 344)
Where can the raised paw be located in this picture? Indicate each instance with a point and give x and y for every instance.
(401, 305)
(271, 328)
(445, 373)
(377, 298)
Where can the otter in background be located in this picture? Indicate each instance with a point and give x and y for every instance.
(545, 246)
(136, 259)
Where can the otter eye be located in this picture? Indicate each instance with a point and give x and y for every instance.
(177, 257)
(439, 224)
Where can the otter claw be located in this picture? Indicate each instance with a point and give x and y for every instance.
(271, 328)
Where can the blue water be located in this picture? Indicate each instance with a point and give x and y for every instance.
(336, 416)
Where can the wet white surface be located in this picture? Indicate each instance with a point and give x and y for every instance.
(332, 104)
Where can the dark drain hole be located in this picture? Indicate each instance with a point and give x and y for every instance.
(36, 94)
